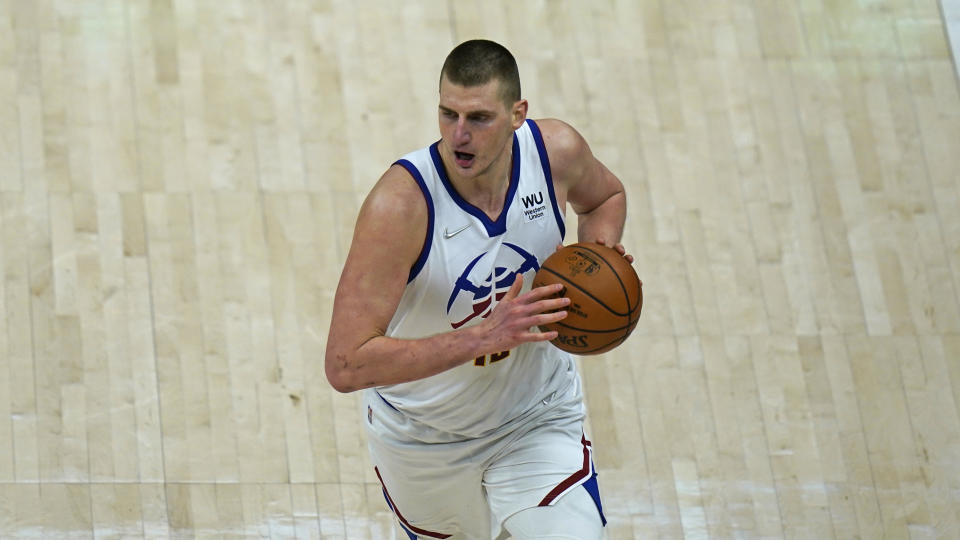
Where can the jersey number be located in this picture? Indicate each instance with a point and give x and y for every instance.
(495, 357)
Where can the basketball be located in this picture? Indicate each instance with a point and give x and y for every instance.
(605, 297)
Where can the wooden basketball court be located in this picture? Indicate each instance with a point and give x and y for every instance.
(179, 181)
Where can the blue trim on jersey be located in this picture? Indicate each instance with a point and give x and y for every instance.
(545, 164)
(385, 401)
(428, 241)
(593, 488)
(494, 228)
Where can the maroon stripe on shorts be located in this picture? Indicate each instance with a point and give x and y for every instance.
(573, 479)
(417, 530)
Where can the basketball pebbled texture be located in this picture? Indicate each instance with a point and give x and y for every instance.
(605, 297)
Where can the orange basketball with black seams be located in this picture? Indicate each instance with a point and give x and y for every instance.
(605, 297)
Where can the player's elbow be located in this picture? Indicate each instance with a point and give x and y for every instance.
(340, 381)
(338, 373)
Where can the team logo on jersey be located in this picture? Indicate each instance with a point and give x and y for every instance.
(477, 288)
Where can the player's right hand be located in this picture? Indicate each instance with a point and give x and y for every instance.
(515, 317)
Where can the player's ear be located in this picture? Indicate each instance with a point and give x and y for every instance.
(519, 113)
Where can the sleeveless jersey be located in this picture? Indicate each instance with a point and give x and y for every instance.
(467, 263)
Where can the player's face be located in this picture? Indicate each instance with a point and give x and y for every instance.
(476, 127)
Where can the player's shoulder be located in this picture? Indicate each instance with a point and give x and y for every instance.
(557, 129)
(396, 198)
(564, 144)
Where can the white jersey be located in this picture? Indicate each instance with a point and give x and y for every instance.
(467, 263)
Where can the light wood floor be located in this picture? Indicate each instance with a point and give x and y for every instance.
(179, 181)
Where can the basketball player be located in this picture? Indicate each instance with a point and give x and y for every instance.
(475, 421)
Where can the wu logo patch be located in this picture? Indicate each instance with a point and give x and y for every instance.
(532, 200)
(533, 207)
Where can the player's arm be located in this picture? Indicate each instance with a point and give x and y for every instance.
(387, 241)
(594, 193)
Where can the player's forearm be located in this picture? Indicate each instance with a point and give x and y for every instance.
(385, 360)
(605, 222)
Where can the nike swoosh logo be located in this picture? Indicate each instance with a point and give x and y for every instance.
(447, 234)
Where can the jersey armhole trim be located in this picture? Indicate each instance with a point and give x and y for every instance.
(545, 164)
(428, 239)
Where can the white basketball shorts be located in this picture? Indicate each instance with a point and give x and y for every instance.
(442, 487)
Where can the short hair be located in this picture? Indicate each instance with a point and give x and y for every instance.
(479, 61)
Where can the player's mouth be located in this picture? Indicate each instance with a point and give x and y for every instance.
(463, 159)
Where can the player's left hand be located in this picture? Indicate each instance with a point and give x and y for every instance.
(619, 249)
